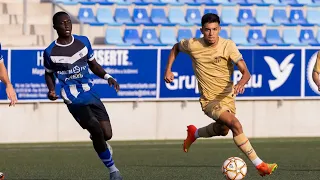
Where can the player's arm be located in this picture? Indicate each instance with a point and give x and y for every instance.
(49, 77)
(239, 87)
(316, 72)
(100, 72)
(168, 77)
(5, 79)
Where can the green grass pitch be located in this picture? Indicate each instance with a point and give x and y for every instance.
(298, 159)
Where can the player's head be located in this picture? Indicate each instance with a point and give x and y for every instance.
(62, 24)
(210, 28)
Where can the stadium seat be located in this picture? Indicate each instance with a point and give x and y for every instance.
(290, 37)
(206, 2)
(171, 2)
(140, 16)
(149, 36)
(224, 2)
(122, 15)
(229, 16)
(193, 16)
(255, 37)
(273, 2)
(104, 15)
(280, 16)
(273, 37)
(255, 1)
(131, 36)
(113, 37)
(158, 16)
(67, 2)
(224, 34)
(313, 16)
(307, 36)
(184, 34)
(296, 17)
(86, 15)
(198, 33)
(154, 2)
(210, 10)
(238, 36)
(287, 2)
(263, 16)
(120, 2)
(245, 16)
(176, 16)
(238, 1)
(305, 2)
(167, 36)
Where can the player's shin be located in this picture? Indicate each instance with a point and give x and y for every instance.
(244, 144)
(107, 160)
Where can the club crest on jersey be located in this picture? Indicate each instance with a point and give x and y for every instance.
(217, 59)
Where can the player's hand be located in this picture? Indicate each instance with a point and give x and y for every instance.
(11, 93)
(168, 77)
(113, 82)
(239, 89)
(52, 95)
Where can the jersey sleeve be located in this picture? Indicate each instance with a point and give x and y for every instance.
(184, 46)
(1, 57)
(47, 62)
(90, 55)
(316, 67)
(233, 52)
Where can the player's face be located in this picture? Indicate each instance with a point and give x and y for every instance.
(64, 26)
(211, 32)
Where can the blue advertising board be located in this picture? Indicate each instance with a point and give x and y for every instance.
(311, 89)
(135, 70)
(273, 72)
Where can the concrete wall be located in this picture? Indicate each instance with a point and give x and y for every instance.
(51, 122)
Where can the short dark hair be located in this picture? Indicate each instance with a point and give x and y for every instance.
(56, 16)
(210, 18)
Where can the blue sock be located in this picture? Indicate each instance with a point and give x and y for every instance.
(107, 160)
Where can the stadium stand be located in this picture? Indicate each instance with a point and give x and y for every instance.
(165, 22)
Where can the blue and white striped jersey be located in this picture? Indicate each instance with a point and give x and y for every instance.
(69, 63)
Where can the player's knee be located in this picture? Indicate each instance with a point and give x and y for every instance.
(94, 128)
(107, 135)
(236, 126)
(224, 130)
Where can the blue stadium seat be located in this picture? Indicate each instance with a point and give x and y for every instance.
(158, 16)
(290, 36)
(229, 16)
(273, 37)
(193, 16)
(287, 2)
(131, 36)
(296, 17)
(122, 15)
(210, 10)
(263, 16)
(255, 36)
(189, 2)
(305, 2)
(280, 16)
(238, 36)
(307, 36)
(149, 36)
(206, 2)
(198, 33)
(184, 34)
(238, 1)
(245, 16)
(86, 15)
(154, 2)
(223, 2)
(140, 15)
(113, 37)
(176, 16)
(171, 2)
(67, 2)
(167, 36)
(313, 16)
(255, 1)
(120, 2)
(104, 15)
(274, 2)
(224, 34)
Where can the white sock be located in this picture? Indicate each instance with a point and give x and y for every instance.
(196, 134)
(257, 161)
(113, 168)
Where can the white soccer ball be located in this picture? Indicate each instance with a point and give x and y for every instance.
(234, 168)
(1, 176)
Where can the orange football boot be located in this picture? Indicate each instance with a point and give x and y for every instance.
(190, 138)
(266, 169)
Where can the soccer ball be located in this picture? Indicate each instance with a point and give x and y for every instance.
(234, 168)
